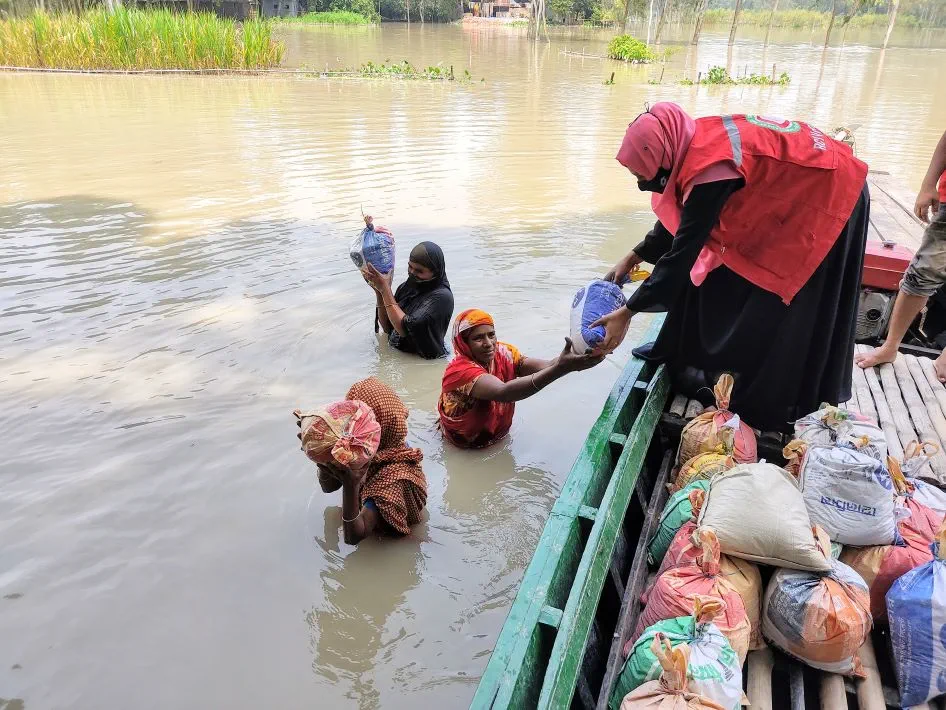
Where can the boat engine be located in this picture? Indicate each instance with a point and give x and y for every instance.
(884, 266)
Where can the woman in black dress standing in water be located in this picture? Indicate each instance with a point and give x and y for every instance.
(758, 254)
(416, 316)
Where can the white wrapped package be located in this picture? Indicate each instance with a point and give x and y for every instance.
(915, 456)
(836, 425)
(849, 494)
(597, 299)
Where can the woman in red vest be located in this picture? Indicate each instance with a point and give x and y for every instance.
(757, 256)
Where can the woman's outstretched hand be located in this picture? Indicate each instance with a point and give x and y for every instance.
(615, 325)
(570, 362)
(623, 268)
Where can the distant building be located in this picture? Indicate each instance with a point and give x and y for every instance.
(498, 8)
(280, 8)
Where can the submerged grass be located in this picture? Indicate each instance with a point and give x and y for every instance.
(137, 39)
(798, 18)
(332, 17)
(718, 76)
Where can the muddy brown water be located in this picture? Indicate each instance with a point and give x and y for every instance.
(174, 280)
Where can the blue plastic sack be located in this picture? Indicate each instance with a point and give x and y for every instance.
(375, 246)
(597, 299)
(916, 607)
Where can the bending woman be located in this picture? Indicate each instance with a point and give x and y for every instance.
(487, 377)
(417, 315)
(757, 258)
(359, 447)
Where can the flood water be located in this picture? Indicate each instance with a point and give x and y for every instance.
(174, 280)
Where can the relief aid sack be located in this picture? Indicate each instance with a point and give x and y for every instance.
(916, 607)
(676, 513)
(672, 691)
(714, 669)
(597, 299)
(835, 425)
(758, 513)
(822, 619)
(850, 494)
(702, 434)
(375, 246)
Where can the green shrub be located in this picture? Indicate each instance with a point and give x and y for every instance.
(330, 17)
(628, 49)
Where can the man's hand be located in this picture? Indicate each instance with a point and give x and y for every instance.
(927, 201)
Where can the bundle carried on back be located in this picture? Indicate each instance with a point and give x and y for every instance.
(758, 513)
(835, 425)
(373, 245)
(593, 301)
(916, 605)
(676, 513)
(714, 670)
(701, 434)
(676, 590)
(687, 550)
(917, 526)
(819, 618)
(703, 467)
(847, 492)
(671, 692)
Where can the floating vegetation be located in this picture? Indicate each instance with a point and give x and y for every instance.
(718, 76)
(406, 70)
(131, 39)
(798, 18)
(628, 49)
(331, 17)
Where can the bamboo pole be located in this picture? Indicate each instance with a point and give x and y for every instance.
(678, 405)
(694, 408)
(939, 390)
(917, 411)
(870, 691)
(884, 417)
(864, 397)
(833, 695)
(933, 406)
(759, 686)
(898, 408)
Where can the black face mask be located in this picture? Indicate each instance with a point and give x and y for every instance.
(657, 184)
(414, 281)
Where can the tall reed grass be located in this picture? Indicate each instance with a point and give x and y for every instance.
(331, 17)
(802, 19)
(137, 39)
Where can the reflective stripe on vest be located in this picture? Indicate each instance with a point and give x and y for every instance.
(735, 140)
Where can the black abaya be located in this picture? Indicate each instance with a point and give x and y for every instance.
(786, 360)
(427, 306)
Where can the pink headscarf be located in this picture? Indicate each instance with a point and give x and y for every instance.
(659, 138)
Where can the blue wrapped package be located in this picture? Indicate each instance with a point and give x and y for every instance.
(591, 302)
(375, 246)
(916, 607)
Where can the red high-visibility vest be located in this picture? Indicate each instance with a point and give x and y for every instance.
(800, 189)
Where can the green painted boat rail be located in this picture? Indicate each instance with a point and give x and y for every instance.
(538, 656)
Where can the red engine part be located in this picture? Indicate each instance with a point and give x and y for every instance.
(884, 266)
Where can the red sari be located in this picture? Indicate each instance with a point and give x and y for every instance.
(466, 421)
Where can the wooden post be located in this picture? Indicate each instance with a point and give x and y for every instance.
(735, 21)
(894, 8)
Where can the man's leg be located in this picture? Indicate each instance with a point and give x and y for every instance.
(924, 276)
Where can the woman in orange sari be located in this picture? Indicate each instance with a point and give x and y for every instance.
(487, 377)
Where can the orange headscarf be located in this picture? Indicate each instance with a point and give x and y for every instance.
(487, 421)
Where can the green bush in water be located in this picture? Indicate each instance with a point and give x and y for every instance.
(628, 49)
(331, 17)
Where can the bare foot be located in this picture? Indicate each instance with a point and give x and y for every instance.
(879, 356)
(939, 364)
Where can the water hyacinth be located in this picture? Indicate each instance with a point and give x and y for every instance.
(129, 39)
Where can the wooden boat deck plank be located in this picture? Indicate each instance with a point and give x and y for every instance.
(908, 402)
(891, 212)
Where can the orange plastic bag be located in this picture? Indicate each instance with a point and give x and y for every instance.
(671, 691)
(701, 434)
(882, 565)
(687, 548)
(820, 618)
(676, 590)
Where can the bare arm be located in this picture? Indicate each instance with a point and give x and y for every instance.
(530, 365)
(928, 198)
(357, 522)
(494, 389)
(390, 315)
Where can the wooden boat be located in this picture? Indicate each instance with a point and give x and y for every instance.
(561, 645)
